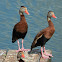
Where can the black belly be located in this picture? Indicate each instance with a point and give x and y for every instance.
(16, 35)
(41, 41)
(20, 35)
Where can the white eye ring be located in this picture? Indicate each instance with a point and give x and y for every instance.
(22, 9)
(50, 13)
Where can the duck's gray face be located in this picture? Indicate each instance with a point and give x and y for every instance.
(23, 9)
(51, 14)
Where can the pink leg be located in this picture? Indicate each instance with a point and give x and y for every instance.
(43, 56)
(22, 43)
(22, 49)
(18, 46)
(46, 53)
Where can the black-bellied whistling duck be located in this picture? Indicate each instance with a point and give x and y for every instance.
(44, 35)
(20, 29)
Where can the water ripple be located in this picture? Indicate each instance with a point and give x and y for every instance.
(37, 20)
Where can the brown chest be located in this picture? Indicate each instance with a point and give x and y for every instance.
(21, 27)
(48, 33)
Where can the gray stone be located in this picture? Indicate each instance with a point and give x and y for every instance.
(2, 55)
(33, 56)
(11, 56)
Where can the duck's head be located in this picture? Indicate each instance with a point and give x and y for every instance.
(51, 14)
(23, 9)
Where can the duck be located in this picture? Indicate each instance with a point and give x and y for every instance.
(20, 29)
(44, 35)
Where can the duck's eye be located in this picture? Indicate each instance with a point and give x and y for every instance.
(23, 9)
(50, 14)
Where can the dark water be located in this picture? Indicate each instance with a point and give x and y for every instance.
(37, 20)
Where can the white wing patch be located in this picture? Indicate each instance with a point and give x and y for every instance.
(38, 38)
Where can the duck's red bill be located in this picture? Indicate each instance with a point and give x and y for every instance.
(53, 16)
(23, 56)
(26, 12)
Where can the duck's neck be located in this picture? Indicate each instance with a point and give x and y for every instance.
(22, 17)
(50, 22)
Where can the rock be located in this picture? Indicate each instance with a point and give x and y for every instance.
(33, 56)
(11, 56)
(46, 60)
(2, 55)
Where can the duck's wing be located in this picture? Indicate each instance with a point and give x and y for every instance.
(39, 35)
